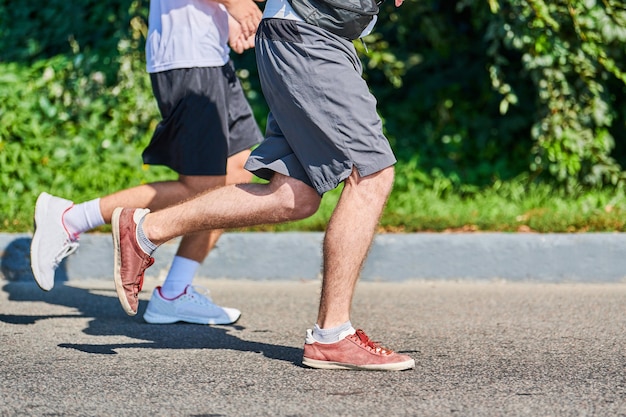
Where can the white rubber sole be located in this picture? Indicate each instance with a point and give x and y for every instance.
(42, 201)
(163, 319)
(117, 263)
(398, 366)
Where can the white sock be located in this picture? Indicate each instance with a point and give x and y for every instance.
(180, 275)
(83, 217)
(144, 243)
(334, 334)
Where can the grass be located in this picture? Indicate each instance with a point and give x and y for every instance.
(512, 206)
(504, 207)
(509, 207)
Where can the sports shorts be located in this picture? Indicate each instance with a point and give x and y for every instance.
(205, 119)
(323, 119)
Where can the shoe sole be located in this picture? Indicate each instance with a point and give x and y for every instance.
(152, 318)
(398, 366)
(117, 261)
(42, 201)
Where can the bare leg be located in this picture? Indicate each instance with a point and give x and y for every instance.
(159, 195)
(348, 238)
(196, 246)
(282, 199)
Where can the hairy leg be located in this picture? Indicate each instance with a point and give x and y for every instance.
(238, 205)
(159, 195)
(348, 238)
(196, 246)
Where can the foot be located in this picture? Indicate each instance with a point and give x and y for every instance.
(356, 352)
(191, 306)
(130, 261)
(51, 241)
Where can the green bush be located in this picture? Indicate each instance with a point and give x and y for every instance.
(486, 90)
(73, 123)
(473, 93)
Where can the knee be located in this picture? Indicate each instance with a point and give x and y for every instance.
(196, 184)
(298, 200)
(307, 204)
(379, 183)
(387, 177)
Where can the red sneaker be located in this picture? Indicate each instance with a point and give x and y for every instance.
(130, 260)
(356, 352)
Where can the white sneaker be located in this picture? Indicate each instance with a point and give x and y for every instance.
(191, 307)
(51, 241)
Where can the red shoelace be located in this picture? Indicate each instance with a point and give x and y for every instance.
(370, 344)
(147, 263)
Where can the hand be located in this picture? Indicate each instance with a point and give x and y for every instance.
(399, 3)
(246, 13)
(236, 39)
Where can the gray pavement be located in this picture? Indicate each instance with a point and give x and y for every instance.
(497, 348)
(499, 325)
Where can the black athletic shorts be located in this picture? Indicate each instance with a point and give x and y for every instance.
(206, 119)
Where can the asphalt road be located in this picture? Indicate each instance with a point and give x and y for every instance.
(481, 349)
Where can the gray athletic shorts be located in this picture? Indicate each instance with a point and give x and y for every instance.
(323, 119)
(206, 119)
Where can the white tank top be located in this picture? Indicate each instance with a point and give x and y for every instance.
(186, 34)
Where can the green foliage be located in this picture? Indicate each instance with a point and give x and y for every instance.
(428, 65)
(480, 99)
(570, 49)
(488, 90)
(516, 205)
(65, 129)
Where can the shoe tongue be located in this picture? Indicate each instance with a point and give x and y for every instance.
(362, 336)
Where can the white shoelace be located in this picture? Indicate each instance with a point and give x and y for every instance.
(66, 251)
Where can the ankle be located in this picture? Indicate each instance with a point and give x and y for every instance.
(151, 230)
(144, 242)
(333, 334)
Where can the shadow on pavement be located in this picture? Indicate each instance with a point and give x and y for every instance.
(15, 262)
(108, 319)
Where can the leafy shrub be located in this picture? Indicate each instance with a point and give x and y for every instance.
(492, 89)
(71, 126)
(472, 93)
